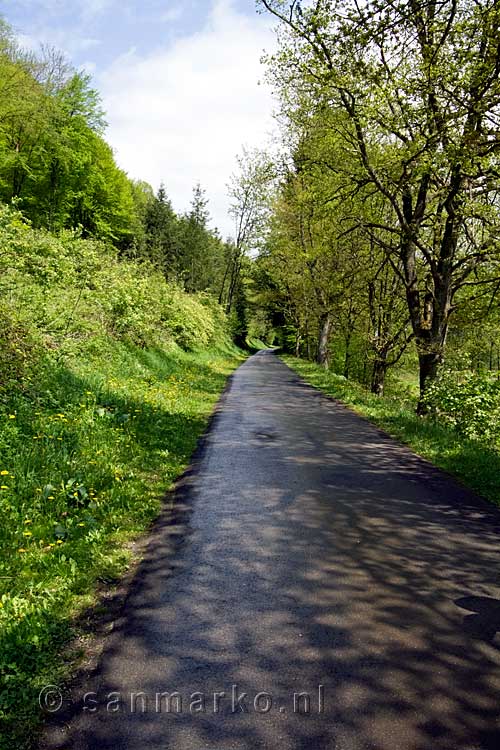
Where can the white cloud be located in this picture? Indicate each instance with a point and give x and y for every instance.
(181, 114)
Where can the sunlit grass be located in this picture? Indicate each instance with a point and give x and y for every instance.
(85, 459)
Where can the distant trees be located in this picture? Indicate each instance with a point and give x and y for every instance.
(248, 191)
(57, 168)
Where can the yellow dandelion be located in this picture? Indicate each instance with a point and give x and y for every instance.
(12, 416)
(59, 541)
(50, 497)
(81, 524)
(4, 487)
(21, 549)
(28, 521)
(27, 533)
(4, 473)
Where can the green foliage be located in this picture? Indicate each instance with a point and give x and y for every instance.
(108, 368)
(388, 109)
(471, 404)
(101, 405)
(86, 453)
(56, 166)
(68, 289)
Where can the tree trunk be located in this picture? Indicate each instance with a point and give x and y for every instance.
(347, 358)
(428, 362)
(429, 316)
(324, 339)
(378, 376)
(298, 340)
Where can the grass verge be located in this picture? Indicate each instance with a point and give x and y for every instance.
(85, 457)
(474, 463)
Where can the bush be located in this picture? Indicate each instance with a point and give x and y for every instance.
(470, 402)
(65, 291)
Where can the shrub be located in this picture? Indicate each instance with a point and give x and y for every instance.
(68, 290)
(470, 402)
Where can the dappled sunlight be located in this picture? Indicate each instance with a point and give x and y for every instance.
(308, 549)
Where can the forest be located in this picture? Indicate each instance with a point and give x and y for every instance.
(366, 249)
(381, 259)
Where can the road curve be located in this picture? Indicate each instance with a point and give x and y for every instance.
(308, 553)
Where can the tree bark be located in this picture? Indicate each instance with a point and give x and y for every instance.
(378, 376)
(428, 364)
(324, 339)
(298, 341)
(347, 358)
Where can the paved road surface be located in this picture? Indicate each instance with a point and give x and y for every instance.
(308, 550)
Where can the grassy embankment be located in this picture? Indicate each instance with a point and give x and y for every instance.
(475, 463)
(107, 378)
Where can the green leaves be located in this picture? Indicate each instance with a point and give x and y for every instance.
(470, 403)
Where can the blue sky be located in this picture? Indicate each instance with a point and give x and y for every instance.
(181, 82)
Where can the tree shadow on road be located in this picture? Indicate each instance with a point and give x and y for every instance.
(329, 555)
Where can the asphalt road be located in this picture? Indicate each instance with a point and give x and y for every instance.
(307, 549)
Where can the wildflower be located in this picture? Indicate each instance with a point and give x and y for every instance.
(4, 473)
(50, 497)
(27, 521)
(4, 487)
(12, 416)
(27, 533)
(81, 524)
(59, 541)
(21, 549)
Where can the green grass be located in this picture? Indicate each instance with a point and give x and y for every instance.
(256, 344)
(86, 455)
(474, 463)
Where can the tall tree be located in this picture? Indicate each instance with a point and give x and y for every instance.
(418, 82)
(249, 193)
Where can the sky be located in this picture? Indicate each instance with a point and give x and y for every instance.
(181, 83)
